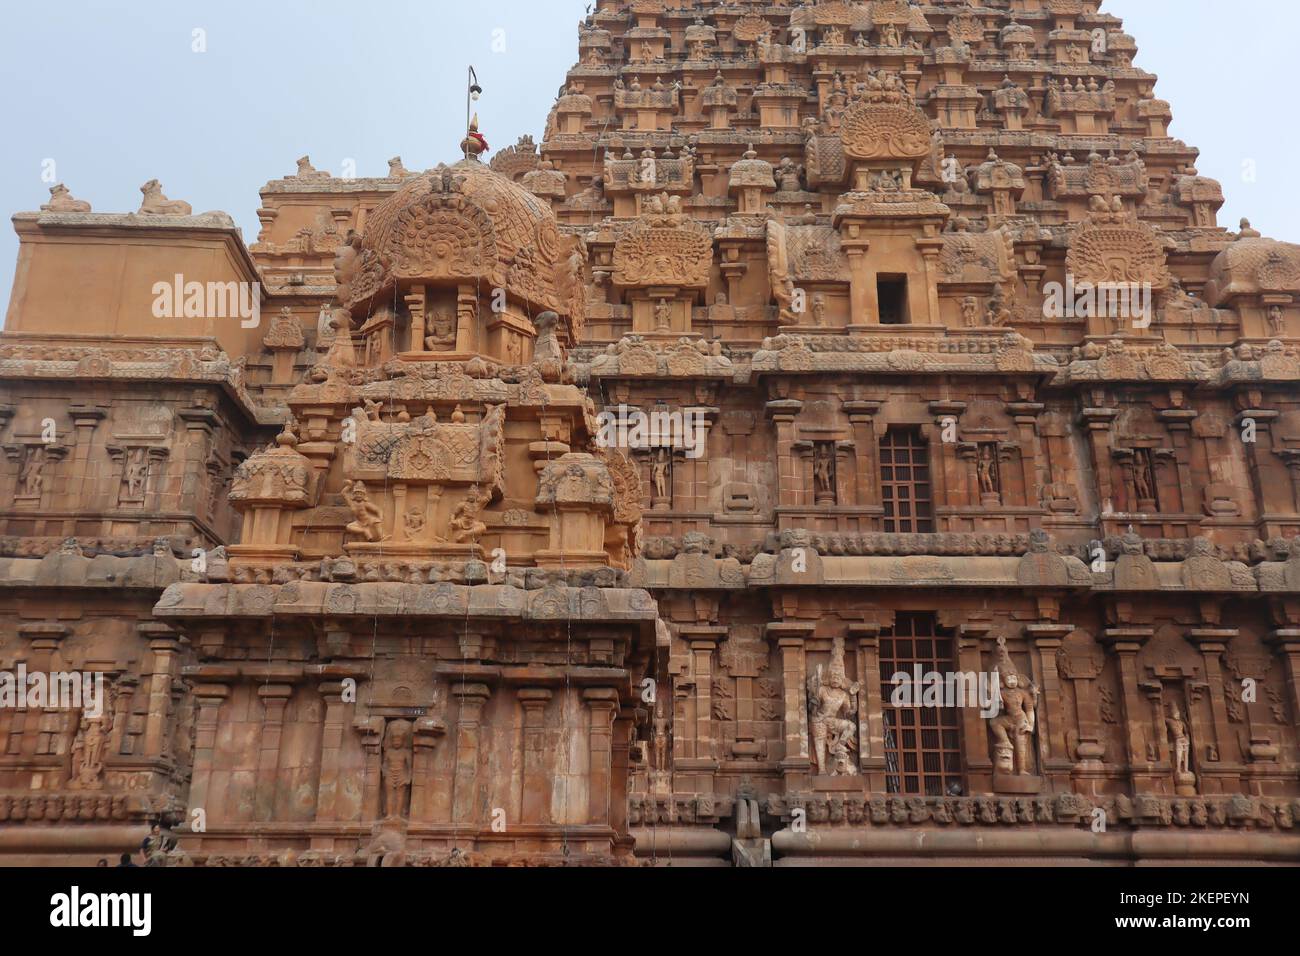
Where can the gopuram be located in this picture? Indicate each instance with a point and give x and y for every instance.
(846, 437)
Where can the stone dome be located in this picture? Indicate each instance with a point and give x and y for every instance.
(1253, 265)
(464, 223)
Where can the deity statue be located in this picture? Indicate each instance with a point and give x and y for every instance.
(832, 704)
(663, 317)
(1142, 483)
(659, 469)
(465, 526)
(824, 468)
(369, 518)
(136, 473)
(970, 311)
(30, 480)
(1013, 727)
(396, 768)
(88, 749)
(441, 331)
(1180, 743)
(987, 467)
(819, 310)
(1276, 322)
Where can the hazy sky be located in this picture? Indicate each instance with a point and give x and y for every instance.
(113, 92)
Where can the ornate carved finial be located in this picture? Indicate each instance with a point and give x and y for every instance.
(474, 145)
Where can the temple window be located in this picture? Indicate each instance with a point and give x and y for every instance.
(922, 743)
(891, 294)
(905, 482)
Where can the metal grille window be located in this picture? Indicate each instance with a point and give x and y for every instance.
(905, 482)
(922, 744)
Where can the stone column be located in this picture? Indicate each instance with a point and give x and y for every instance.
(790, 638)
(371, 730)
(126, 685)
(871, 703)
(45, 638)
(428, 732)
(703, 641)
(165, 645)
(1098, 422)
(87, 490)
(968, 643)
(1125, 642)
(329, 801)
(1045, 639)
(1025, 415)
(1287, 642)
(208, 700)
(535, 801)
(472, 698)
(861, 419)
(788, 485)
(602, 702)
(1179, 423)
(1212, 642)
(275, 697)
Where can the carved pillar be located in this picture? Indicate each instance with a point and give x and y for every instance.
(1025, 415)
(371, 730)
(703, 642)
(1046, 641)
(1098, 422)
(535, 802)
(1178, 421)
(1125, 642)
(871, 701)
(85, 418)
(428, 732)
(208, 700)
(165, 645)
(126, 686)
(790, 639)
(968, 643)
(1212, 642)
(861, 419)
(602, 702)
(788, 478)
(1287, 642)
(472, 699)
(45, 638)
(274, 697)
(620, 770)
(329, 799)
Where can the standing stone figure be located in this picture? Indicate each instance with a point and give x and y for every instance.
(832, 703)
(396, 768)
(1180, 742)
(659, 473)
(1013, 727)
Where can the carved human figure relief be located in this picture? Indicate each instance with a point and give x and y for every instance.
(396, 768)
(832, 707)
(1014, 726)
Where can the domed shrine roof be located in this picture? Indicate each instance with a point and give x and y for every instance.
(464, 223)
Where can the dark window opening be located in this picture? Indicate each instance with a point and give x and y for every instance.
(891, 294)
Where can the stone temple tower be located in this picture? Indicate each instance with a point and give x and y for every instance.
(846, 430)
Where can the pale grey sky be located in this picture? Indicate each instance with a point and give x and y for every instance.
(113, 92)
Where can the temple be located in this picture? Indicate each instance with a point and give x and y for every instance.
(846, 437)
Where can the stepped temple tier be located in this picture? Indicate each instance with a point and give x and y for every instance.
(953, 510)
